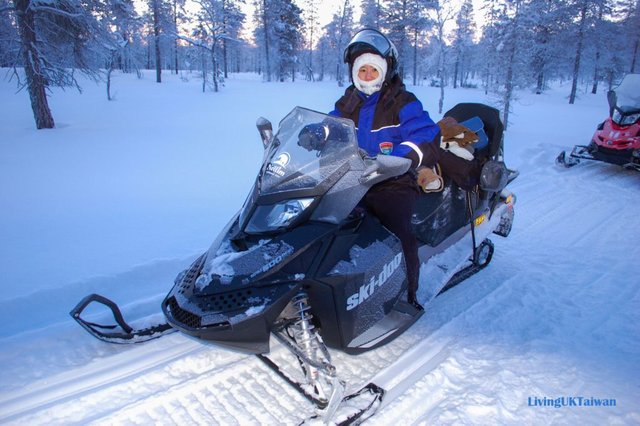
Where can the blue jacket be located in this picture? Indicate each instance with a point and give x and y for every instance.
(391, 121)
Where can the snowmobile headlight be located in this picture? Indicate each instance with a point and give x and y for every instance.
(628, 120)
(276, 216)
(622, 119)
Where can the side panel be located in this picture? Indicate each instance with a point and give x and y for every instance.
(364, 282)
(440, 214)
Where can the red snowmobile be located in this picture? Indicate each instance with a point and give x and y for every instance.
(617, 139)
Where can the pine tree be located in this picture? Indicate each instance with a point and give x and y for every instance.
(630, 12)
(9, 42)
(288, 32)
(311, 24)
(232, 20)
(265, 19)
(444, 12)
(372, 14)
(587, 12)
(463, 40)
(55, 40)
(336, 36)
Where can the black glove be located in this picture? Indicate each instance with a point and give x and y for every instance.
(313, 137)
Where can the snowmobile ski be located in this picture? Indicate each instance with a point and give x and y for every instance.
(122, 332)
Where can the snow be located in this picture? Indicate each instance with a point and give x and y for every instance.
(123, 195)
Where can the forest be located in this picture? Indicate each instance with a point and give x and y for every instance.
(517, 44)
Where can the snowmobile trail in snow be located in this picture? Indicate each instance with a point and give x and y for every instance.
(106, 373)
(203, 384)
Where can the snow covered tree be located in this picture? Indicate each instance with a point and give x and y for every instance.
(403, 21)
(396, 25)
(463, 40)
(372, 14)
(216, 21)
(443, 13)
(546, 47)
(288, 32)
(337, 34)
(310, 17)
(125, 25)
(56, 38)
(512, 31)
(597, 40)
(178, 16)
(9, 41)
(156, 8)
(278, 32)
(630, 12)
(489, 42)
(232, 20)
(587, 12)
(122, 23)
(321, 63)
(507, 61)
(264, 21)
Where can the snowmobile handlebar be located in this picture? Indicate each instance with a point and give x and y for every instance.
(383, 167)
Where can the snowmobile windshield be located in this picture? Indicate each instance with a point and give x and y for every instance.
(296, 163)
(628, 94)
(309, 154)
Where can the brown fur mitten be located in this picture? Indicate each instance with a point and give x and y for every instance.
(429, 180)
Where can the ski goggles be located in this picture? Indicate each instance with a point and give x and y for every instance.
(371, 38)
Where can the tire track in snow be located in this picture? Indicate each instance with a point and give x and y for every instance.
(104, 384)
(211, 386)
(71, 385)
(199, 384)
(243, 393)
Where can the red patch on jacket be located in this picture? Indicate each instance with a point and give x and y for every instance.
(386, 148)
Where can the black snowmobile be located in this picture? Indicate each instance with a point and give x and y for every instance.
(303, 262)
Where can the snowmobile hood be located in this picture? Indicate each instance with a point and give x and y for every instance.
(300, 193)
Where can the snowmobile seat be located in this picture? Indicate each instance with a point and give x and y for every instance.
(490, 117)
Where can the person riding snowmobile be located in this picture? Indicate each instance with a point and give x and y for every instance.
(391, 120)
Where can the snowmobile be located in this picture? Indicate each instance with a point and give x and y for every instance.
(302, 261)
(617, 139)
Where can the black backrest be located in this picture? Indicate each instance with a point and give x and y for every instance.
(490, 117)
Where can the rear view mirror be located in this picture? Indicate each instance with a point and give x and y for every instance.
(266, 131)
(494, 176)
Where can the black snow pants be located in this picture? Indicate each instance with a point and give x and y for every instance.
(393, 202)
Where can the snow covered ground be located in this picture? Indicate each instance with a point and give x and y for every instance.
(123, 195)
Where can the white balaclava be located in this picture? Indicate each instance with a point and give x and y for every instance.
(376, 61)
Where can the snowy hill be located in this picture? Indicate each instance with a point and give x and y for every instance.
(123, 195)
